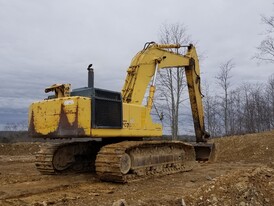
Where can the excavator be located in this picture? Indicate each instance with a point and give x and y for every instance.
(113, 133)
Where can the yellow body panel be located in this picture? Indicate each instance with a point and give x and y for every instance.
(71, 117)
(62, 117)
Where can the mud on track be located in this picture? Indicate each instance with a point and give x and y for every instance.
(241, 172)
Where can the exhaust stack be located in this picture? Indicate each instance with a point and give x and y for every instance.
(90, 76)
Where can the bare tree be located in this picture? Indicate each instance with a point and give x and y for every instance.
(270, 100)
(266, 47)
(224, 81)
(171, 82)
(256, 111)
(236, 112)
(211, 114)
(248, 108)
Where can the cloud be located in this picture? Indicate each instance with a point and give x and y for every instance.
(47, 42)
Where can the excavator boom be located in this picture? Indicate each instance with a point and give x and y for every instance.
(144, 67)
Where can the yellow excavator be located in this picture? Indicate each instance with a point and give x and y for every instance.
(116, 123)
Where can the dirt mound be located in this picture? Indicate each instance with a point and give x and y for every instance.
(250, 148)
(243, 187)
(17, 149)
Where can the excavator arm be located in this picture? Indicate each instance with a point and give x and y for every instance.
(144, 67)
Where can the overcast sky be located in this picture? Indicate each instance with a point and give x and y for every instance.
(43, 42)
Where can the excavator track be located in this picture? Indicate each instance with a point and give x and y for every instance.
(43, 159)
(57, 158)
(132, 160)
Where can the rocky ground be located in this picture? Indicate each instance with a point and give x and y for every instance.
(241, 172)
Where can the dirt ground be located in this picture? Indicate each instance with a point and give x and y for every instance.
(241, 172)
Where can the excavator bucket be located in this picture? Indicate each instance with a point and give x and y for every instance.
(204, 151)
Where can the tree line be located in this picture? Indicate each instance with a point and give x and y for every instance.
(248, 108)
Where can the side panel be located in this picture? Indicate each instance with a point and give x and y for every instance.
(62, 117)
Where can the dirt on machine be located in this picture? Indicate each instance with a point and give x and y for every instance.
(116, 123)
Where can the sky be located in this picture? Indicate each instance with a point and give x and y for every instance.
(43, 42)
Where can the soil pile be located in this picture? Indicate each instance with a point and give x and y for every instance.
(250, 148)
(248, 187)
(17, 149)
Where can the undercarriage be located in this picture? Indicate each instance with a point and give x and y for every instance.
(125, 161)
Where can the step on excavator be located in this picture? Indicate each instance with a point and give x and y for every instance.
(112, 133)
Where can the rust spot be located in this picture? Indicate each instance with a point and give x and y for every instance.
(67, 129)
(31, 130)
